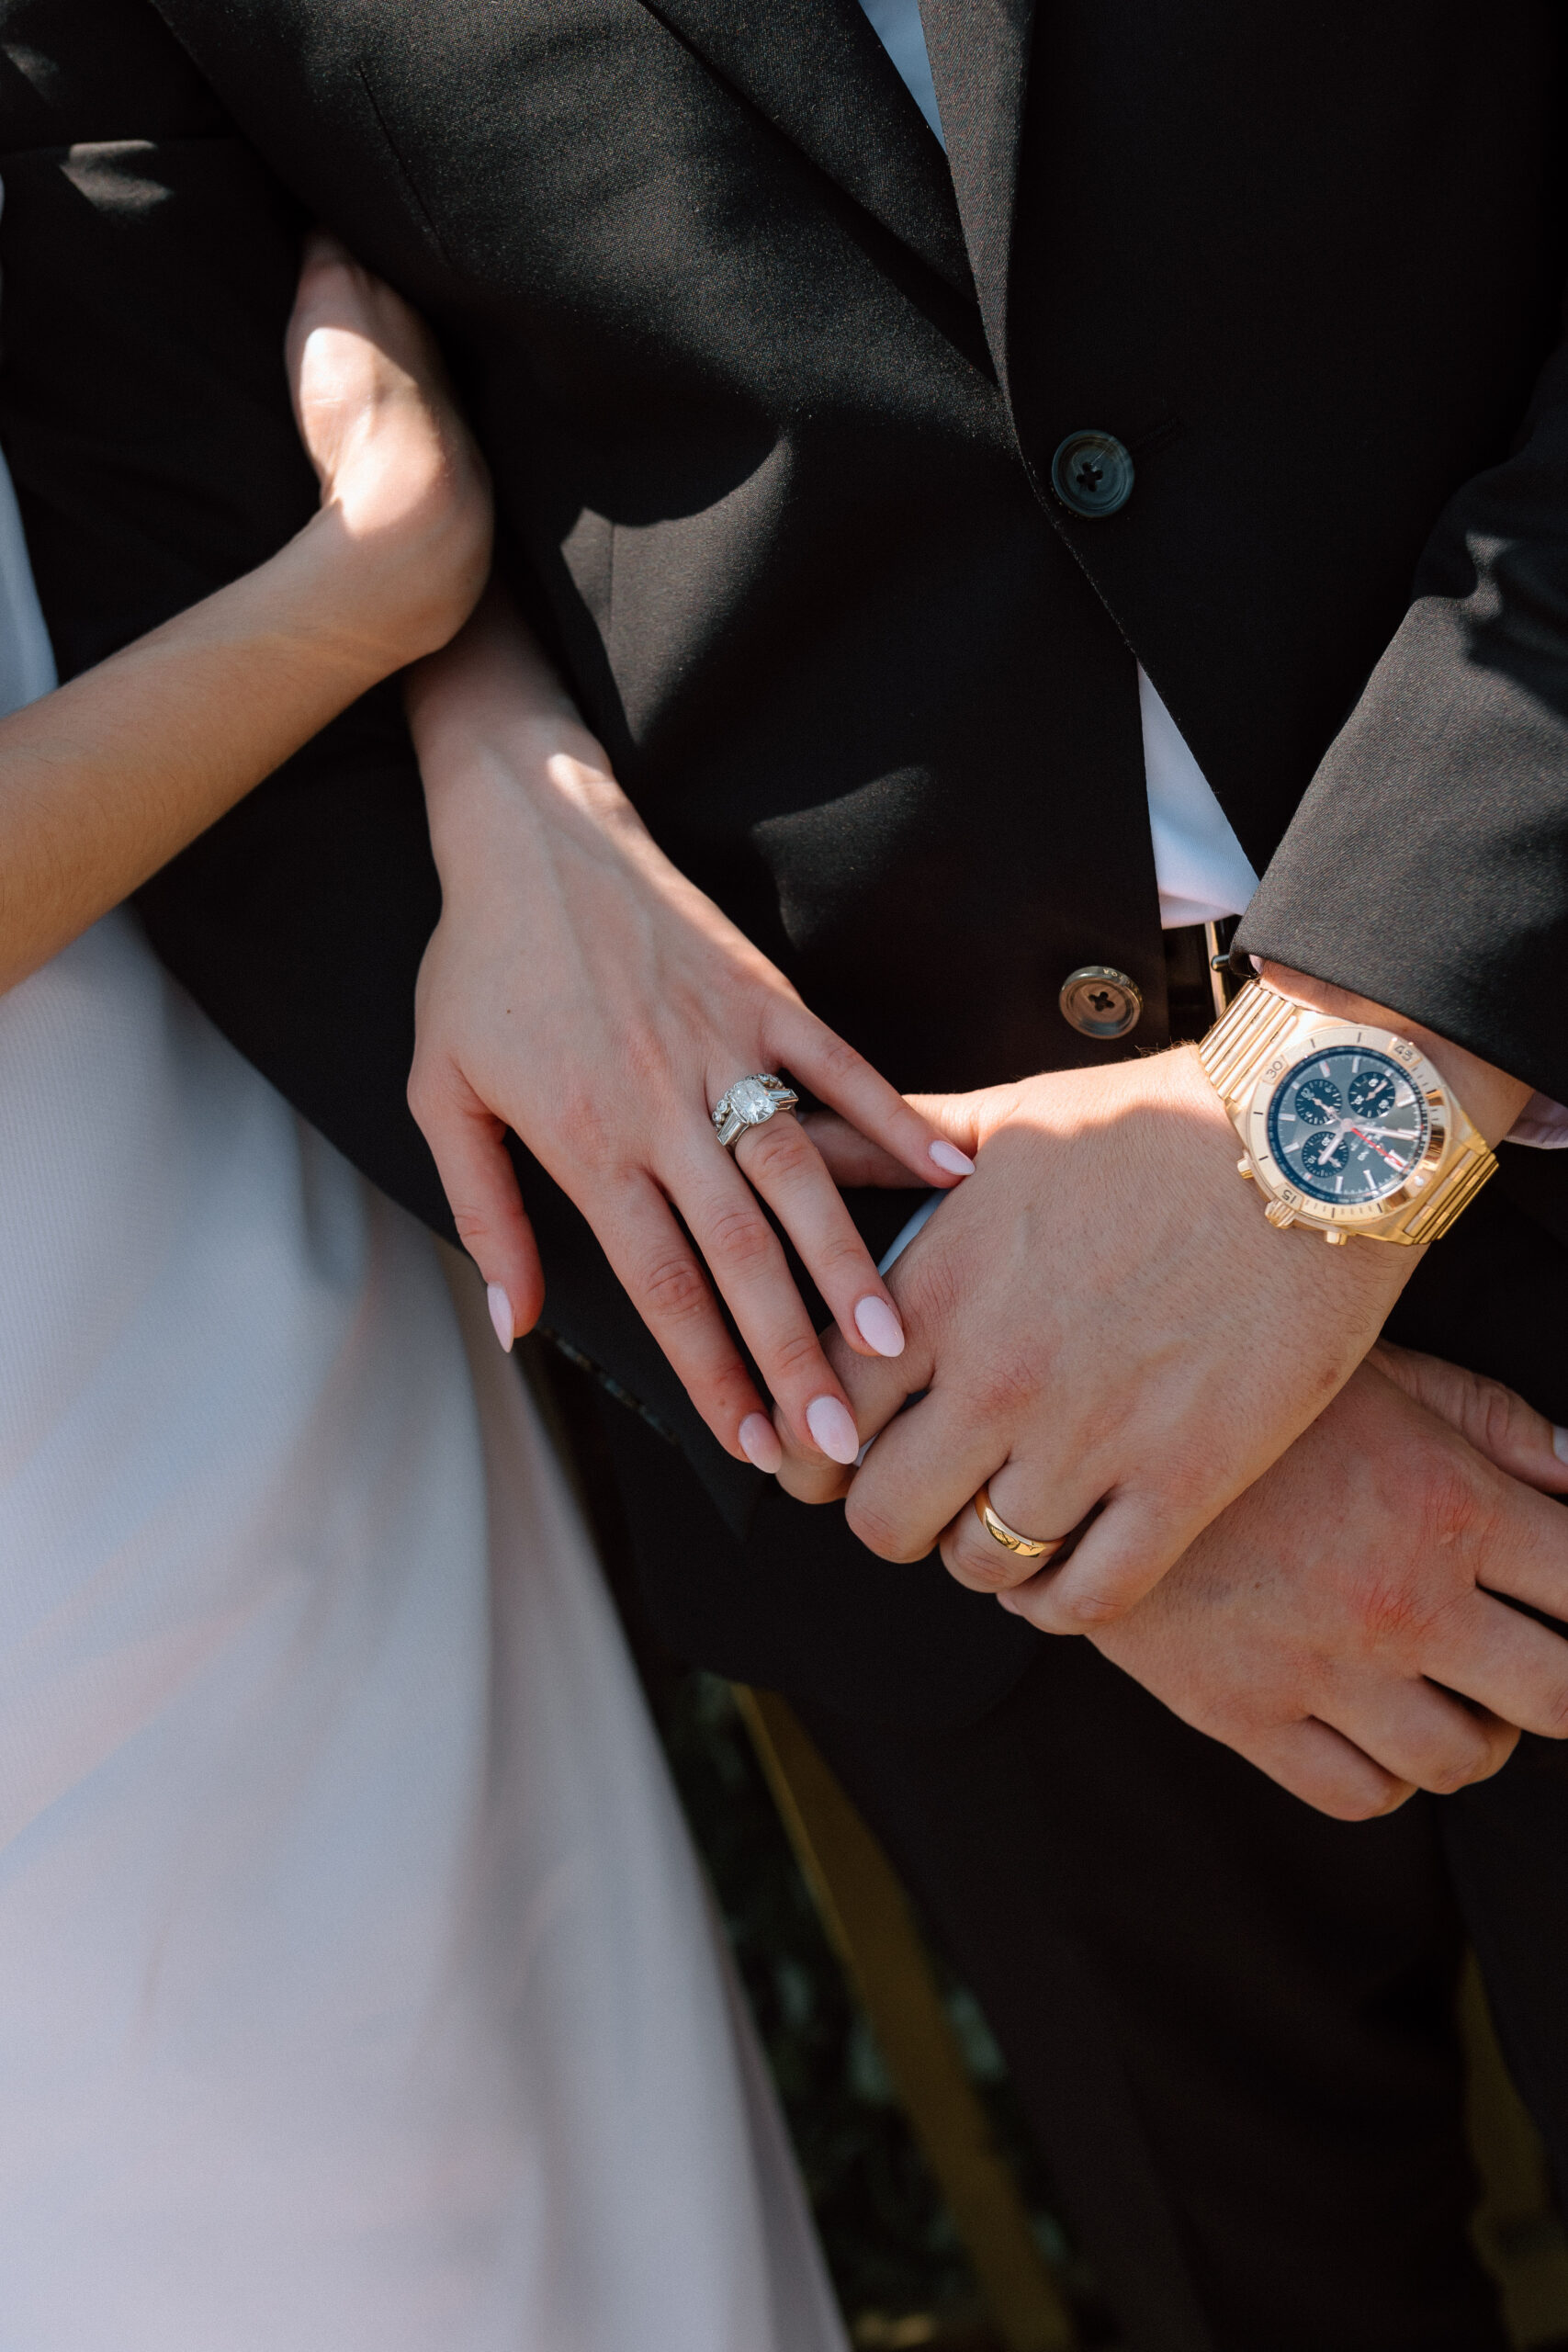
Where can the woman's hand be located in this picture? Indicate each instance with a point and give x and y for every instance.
(580, 991)
(405, 494)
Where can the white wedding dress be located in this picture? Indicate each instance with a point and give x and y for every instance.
(358, 1991)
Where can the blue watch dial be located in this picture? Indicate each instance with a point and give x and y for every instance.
(1347, 1125)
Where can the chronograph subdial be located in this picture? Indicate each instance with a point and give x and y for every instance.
(1371, 1094)
(1318, 1100)
(1327, 1150)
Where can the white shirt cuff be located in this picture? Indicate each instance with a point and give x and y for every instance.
(1543, 1125)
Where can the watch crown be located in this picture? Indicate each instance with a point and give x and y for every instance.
(1244, 1167)
(1278, 1214)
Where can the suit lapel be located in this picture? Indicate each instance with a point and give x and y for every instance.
(817, 72)
(980, 53)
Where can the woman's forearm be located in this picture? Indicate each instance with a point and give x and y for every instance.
(104, 781)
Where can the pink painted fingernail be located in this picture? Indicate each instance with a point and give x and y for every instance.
(834, 1431)
(879, 1326)
(760, 1442)
(1559, 1444)
(500, 1315)
(948, 1156)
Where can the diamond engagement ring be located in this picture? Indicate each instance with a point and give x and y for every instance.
(749, 1103)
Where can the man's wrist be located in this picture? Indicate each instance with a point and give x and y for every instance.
(1491, 1099)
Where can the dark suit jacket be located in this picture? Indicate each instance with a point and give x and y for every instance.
(771, 395)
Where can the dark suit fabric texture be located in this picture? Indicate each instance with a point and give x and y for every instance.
(771, 392)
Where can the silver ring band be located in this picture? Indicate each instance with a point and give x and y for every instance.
(749, 1103)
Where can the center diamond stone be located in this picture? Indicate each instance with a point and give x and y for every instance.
(750, 1101)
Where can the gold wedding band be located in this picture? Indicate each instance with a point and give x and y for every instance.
(1028, 1547)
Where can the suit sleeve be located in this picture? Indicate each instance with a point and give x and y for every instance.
(1428, 864)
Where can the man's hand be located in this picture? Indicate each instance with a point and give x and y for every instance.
(1337, 1625)
(1109, 1332)
(1103, 1322)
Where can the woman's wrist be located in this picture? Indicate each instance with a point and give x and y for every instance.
(524, 789)
(381, 600)
(501, 745)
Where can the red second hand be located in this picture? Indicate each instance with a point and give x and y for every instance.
(1377, 1147)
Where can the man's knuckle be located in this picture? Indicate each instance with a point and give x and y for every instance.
(930, 1289)
(1500, 1418)
(1092, 1605)
(988, 1571)
(878, 1532)
(1368, 1804)
(1458, 1768)
(1187, 1470)
(1004, 1388)
(1452, 1509)
(1390, 1609)
(973, 1564)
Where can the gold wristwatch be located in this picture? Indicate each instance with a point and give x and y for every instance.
(1343, 1126)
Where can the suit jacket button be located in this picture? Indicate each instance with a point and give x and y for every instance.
(1100, 1003)
(1091, 473)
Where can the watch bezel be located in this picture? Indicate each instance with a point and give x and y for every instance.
(1355, 1216)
